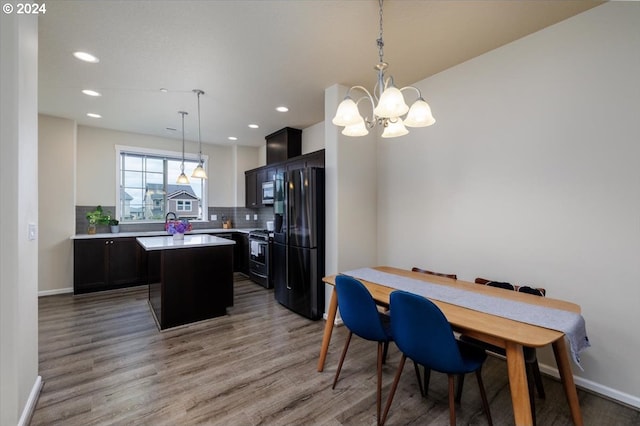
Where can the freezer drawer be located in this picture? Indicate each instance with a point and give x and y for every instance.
(298, 286)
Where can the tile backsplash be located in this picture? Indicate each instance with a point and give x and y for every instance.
(257, 218)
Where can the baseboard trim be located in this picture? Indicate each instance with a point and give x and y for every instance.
(30, 406)
(56, 291)
(597, 388)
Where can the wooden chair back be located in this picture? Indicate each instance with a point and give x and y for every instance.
(424, 271)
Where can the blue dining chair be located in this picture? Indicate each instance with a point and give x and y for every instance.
(360, 315)
(423, 334)
(423, 383)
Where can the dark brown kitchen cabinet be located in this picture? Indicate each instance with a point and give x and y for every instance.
(254, 178)
(313, 159)
(284, 144)
(241, 253)
(251, 189)
(240, 250)
(107, 263)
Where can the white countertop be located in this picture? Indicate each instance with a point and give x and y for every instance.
(190, 241)
(158, 233)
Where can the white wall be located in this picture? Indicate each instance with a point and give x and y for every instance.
(313, 138)
(56, 203)
(531, 175)
(96, 165)
(19, 380)
(246, 158)
(350, 175)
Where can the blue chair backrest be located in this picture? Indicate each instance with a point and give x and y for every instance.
(358, 309)
(422, 333)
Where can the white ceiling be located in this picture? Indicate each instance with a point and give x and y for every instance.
(251, 56)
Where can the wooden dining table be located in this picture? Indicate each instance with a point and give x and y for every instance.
(506, 333)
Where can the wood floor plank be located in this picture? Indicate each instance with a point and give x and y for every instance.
(104, 362)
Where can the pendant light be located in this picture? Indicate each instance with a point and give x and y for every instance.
(390, 108)
(199, 172)
(182, 179)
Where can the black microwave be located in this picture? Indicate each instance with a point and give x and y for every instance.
(267, 192)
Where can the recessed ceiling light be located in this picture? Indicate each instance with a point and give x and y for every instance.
(163, 90)
(89, 92)
(93, 115)
(232, 138)
(253, 126)
(87, 57)
(282, 109)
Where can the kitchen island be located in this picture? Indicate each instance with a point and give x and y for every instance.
(189, 280)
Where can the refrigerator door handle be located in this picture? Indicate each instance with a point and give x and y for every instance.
(287, 229)
(287, 268)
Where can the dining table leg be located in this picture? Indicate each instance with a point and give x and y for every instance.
(328, 328)
(566, 376)
(518, 385)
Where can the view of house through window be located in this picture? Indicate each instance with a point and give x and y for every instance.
(148, 188)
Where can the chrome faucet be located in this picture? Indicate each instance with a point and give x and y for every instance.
(166, 218)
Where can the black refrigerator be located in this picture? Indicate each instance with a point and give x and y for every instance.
(298, 241)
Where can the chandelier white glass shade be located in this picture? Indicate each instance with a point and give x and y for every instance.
(199, 172)
(390, 108)
(182, 179)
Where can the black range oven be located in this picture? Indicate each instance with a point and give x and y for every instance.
(259, 257)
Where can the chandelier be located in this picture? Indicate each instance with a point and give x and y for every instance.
(390, 108)
(199, 172)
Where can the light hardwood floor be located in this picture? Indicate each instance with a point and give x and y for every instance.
(104, 362)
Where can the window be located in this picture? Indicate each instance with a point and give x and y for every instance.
(147, 190)
(183, 206)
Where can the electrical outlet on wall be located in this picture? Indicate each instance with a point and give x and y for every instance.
(248, 217)
(214, 217)
(255, 217)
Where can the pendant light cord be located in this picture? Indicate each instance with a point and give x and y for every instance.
(199, 92)
(183, 113)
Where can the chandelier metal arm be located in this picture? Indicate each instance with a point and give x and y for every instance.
(369, 122)
(412, 88)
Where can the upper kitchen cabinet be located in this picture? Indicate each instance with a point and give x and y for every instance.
(253, 184)
(283, 145)
(313, 159)
(254, 178)
(251, 188)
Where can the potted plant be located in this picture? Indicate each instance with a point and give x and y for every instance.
(115, 225)
(96, 217)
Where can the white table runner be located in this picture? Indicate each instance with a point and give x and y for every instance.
(570, 323)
